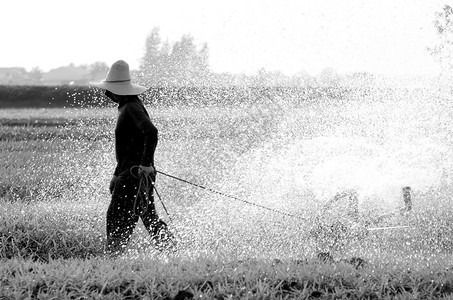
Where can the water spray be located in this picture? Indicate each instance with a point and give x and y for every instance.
(351, 195)
(232, 197)
(162, 202)
(145, 189)
(390, 227)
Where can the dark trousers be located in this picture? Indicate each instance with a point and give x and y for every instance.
(121, 217)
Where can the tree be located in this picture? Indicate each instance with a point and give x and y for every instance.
(329, 77)
(165, 74)
(443, 50)
(35, 75)
(183, 57)
(151, 64)
(97, 71)
(202, 65)
(178, 64)
(302, 78)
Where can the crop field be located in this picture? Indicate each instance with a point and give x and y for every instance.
(250, 216)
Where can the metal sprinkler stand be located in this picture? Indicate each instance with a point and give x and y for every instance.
(407, 197)
(352, 213)
(352, 199)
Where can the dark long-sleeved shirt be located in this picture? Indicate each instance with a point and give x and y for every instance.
(135, 135)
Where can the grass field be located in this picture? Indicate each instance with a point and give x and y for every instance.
(56, 165)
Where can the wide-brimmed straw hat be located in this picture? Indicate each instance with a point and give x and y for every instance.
(118, 81)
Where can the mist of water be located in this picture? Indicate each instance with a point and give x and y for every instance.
(288, 157)
(375, 144)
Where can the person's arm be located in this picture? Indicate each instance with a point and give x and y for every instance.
(112, 183)
(150, 144)
(114, 178)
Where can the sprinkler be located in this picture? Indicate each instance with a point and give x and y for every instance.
(353, 225)
(330, 229)
(407, 198)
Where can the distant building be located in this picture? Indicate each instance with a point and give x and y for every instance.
(66, 75)
(15, 75)
(97, 71)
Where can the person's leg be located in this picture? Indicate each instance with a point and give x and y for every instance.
(121, 220)
(157, 228)
(150, 218)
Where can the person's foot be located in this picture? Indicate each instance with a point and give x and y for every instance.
(163, 238)
(165, 242)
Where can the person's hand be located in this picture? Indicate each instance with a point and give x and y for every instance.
(112, 183)
(149, 171)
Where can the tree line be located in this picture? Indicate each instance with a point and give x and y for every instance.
(184, 63)
(65, 96)
(443, 49)
(181, 63)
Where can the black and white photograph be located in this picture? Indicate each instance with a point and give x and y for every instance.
(254, 149)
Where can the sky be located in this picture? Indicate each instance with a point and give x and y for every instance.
(386, 37)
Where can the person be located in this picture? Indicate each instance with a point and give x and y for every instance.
(136, 139)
